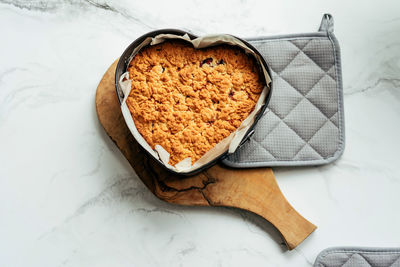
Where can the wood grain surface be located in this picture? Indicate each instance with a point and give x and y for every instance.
(254, 190)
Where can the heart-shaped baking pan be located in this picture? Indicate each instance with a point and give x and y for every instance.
(127, 56)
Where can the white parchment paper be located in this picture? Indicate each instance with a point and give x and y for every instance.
(231, 142)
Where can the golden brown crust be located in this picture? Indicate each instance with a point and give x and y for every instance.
(188, 100)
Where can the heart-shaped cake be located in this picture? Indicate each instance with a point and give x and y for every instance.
(187, 100)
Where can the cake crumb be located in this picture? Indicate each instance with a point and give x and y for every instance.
(187, 100)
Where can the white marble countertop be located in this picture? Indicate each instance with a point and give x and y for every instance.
(69, 198)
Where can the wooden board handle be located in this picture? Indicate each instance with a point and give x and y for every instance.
(254, 190)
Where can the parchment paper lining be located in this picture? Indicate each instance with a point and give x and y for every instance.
(231, 142)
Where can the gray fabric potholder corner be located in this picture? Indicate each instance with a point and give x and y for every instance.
(358, 257)
(304, 122)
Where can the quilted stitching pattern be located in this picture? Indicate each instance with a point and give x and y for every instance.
(302, 119)
(360, 259)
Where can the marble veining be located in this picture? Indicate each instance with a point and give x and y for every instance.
(69, 198)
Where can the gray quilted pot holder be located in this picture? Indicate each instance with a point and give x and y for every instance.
(304, 122)
(359, 257)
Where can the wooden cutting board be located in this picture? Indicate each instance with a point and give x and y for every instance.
(254, 190)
